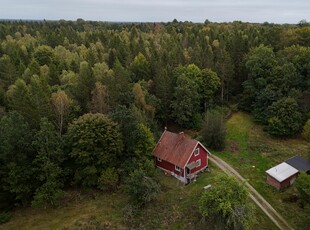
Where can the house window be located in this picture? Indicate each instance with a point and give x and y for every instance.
(196, 152)
(158, 159)
(177, 168)
(198, 162)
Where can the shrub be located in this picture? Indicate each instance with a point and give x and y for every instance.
(141, 188)
(4, 217)
(227, 204)
(306, 131)
(303, 185)
(108, 180)
(49, 194)
(214, 131)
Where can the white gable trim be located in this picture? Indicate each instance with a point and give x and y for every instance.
(204, 148)
(191, 154)
(198, 143)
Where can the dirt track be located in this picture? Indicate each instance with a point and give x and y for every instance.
(276, 218)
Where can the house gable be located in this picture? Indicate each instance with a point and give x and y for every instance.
(180, 156)
(202, 157)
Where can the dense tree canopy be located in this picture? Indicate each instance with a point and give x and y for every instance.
(274, 91)
(136, 78)
(186, 100)
(95, 143)
(16, 156)
(48, 164)
(285, 119)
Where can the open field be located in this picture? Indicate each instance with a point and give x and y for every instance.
(176, 208)
(251, 152)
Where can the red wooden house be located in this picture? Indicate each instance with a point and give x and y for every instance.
(180, 156)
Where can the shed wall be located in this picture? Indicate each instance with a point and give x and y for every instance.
(280, 185)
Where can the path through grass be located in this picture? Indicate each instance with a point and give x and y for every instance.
(175, 208)
(251, 152)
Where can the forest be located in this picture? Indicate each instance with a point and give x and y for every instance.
(82, 103)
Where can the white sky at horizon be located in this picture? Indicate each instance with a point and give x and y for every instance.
(273, 11)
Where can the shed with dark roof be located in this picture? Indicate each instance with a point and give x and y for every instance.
(281, 175)
(299, 163)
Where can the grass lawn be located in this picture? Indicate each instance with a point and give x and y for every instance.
(175, 208)
(87, 211)
(251, 151)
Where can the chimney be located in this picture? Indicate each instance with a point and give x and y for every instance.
(181, 134)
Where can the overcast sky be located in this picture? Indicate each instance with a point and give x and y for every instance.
(276, 11)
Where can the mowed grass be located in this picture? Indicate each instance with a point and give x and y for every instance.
(176, 207)
(251, 151)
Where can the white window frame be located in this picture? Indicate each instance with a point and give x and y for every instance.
(158, 159)
(177, 168)
(198, 162)
(196, 152)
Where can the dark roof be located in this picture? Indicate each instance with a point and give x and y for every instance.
(300, 163)
(175, 148)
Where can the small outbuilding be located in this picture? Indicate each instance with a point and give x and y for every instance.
(180, 156)
(299, 163)
(281, 176)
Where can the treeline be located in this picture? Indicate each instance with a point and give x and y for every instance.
(81, 102)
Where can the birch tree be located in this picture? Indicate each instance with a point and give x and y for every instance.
(61, 103)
